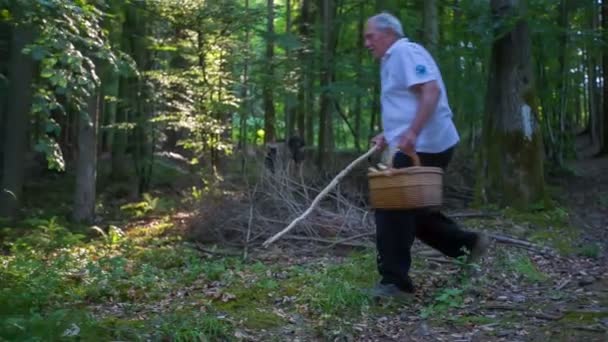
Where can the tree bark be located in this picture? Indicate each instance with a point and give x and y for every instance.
(593, 88)
(431, 26)
(5, 37)
(86, 164)
(325, 117)
(358, 98)
(20, 77)
(269, 110)
(289, 107)
(111, 79)
(604, 131)
(126, 86)
(511, 164)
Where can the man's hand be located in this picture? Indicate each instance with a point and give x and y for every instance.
(379, 141)
(407, 142)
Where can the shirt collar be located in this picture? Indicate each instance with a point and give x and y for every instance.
(393, 46)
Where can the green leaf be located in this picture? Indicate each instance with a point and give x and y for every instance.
(5, 15)
(38, 52)
(47, 73)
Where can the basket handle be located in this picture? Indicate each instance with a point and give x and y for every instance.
(413, 156)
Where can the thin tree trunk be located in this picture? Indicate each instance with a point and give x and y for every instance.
(290, 109)
(127, 85)
(86, 163)
(325, 117)
(269, 110)
(604, 131)
(5, 37)
(594, 91)
(511, 168)
(20, 76)
(245, 97)
(431, 26)
(358, 98)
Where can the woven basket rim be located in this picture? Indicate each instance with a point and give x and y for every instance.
(408, 170)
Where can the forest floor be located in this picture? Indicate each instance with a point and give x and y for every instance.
(135, 277)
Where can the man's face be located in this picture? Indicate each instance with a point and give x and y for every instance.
(377, 41)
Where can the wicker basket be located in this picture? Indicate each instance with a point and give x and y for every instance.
(407, 188)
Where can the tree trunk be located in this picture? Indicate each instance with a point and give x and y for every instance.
(20, 77)
(511, 164)
(305, 103)
(358, 98)
(86, 164)
(110, 78)
(245, 110)
(325, 113)
(593, 88)
(289, 108)
(604, 131)
(431, 26)
(126, 86)
(269, 110)
(5, 37)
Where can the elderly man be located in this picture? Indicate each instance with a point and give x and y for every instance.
(416, 118)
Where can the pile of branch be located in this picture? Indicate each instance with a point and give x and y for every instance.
(267, 207)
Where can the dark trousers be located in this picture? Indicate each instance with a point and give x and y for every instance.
(397, 229)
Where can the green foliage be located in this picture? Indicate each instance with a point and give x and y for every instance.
(521, 265)
(338, 290)
(149, 204)
(45, 235)
(590, 250)
(445, 299)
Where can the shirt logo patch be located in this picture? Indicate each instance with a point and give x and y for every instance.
(420, 70)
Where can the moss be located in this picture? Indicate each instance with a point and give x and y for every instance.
(584, 317)
(551, 227)
(511, 172)
(247, 305)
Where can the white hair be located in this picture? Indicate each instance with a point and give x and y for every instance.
(387, 22)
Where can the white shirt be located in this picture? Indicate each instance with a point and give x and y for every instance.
(403, 65)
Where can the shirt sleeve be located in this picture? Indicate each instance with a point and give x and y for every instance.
(416, 65)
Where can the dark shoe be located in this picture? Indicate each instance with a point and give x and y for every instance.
(479, 248)
(389, 291)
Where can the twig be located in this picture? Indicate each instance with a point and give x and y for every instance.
(443, 261)
(563, 284)
(521, 243)
(548, 317)
(249, 224)
(320, 196)
(341, 242)
(591, 329)
(471, 215)
(314, 239)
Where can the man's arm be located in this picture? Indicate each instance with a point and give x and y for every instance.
(428, 97)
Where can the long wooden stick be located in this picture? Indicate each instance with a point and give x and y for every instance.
(320, 196)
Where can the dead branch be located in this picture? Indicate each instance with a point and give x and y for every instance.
(320, 196)
(333, 242)
(521, 243)
(443, 261)
(343, 241)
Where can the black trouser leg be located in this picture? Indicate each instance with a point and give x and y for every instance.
(396, 229)
(395, 233)
(443, 234)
